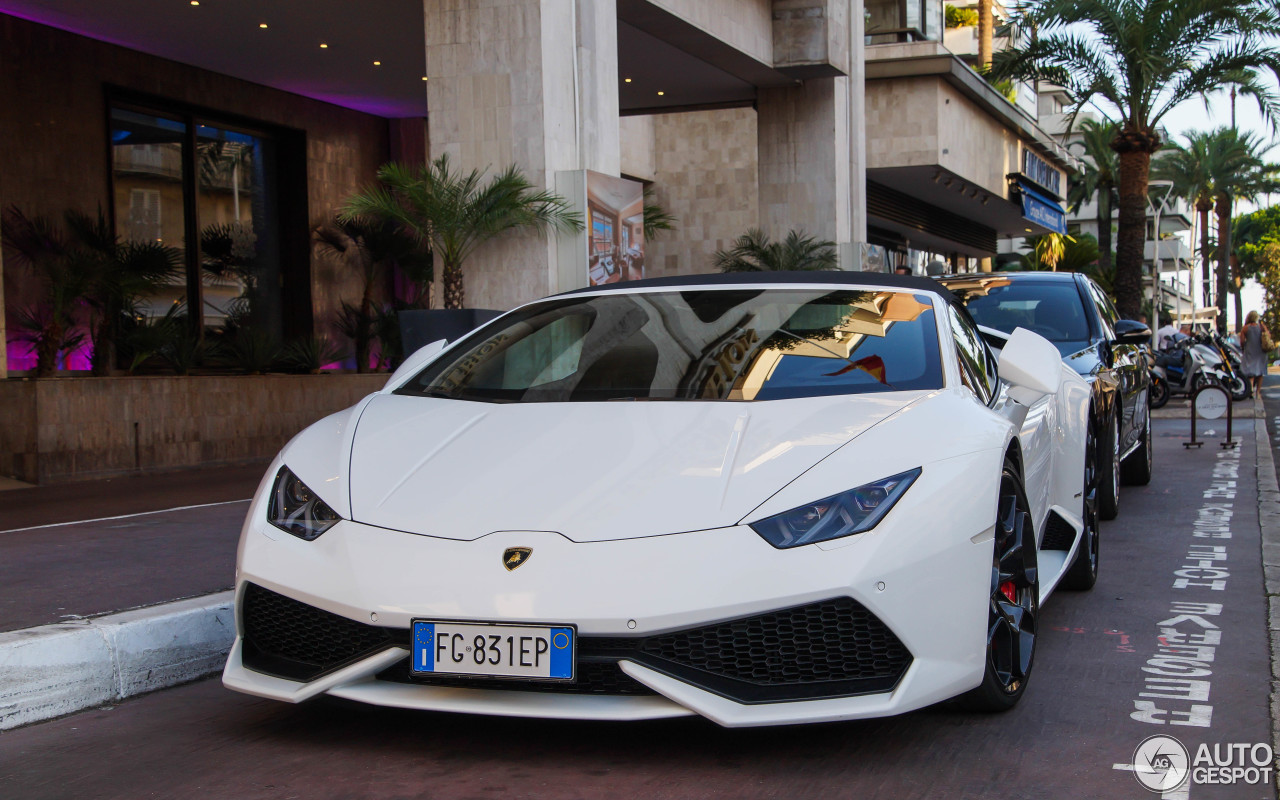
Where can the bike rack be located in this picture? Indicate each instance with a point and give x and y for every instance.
(1230, 443)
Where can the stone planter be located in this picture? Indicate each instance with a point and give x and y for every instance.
(63, 429)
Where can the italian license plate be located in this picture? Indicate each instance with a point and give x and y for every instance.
(540, 652)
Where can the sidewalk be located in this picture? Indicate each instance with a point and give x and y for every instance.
(91, 611)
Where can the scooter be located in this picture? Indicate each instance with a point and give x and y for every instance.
(1217, 358)
(1180, 369)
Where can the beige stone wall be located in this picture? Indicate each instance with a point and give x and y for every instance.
(706, 175)
(63, 429)
(529, 82)
(639, 155)
(745, 24)
(974, 145)
(804, 159)
(926, 121)
(900, 130)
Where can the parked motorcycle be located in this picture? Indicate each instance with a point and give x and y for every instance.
(1221, 355)
(1181, 369)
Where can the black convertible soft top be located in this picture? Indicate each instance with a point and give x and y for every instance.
(781, 279)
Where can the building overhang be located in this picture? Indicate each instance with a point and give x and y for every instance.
(887, 62)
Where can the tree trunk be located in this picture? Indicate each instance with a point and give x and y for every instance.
(1222, 207)
(364, 332)
(986, 24)
(1104, 227)
(1204, 206)
(1237, 286)
(1134, 149)
(47, 350)
(453, 289)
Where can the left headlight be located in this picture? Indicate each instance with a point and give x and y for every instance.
(855, 511)
(296, 509)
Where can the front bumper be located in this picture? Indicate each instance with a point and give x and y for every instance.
(926, 582)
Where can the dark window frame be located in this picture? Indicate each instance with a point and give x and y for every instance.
(297, 315)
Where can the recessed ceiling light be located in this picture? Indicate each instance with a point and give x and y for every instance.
(660, 94)
(377, 63)
(195, 2)
(323, 46)
(424, 77)
(262, 24)
(626, 80)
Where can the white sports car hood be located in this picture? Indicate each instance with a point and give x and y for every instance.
(590, 471)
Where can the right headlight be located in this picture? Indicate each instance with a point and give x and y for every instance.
(296, 509)
(844, 514)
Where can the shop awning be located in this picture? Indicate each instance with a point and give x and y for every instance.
(1042, 210)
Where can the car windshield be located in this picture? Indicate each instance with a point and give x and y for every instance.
(717, 344)
(1052, 309)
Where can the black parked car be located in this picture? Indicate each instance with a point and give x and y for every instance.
(1071, 311)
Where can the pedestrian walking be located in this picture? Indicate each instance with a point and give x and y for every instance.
(1256, 343)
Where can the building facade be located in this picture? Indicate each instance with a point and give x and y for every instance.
(231, 135)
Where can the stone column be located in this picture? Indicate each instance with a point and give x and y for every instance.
(811, 142)
(803, 139)
(530, 82)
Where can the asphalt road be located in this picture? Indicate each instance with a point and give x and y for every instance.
(1084, 714)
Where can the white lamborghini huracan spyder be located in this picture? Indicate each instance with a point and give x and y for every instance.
(763, 499)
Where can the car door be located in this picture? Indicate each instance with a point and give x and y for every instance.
(1127, 365)
(978, 371)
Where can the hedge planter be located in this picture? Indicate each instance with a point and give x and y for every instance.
(63, 429)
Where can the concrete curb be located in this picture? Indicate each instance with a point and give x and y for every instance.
(1269, 520)
(58, 669)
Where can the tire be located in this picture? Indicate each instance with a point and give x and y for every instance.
(1238, 388)
(1202, 380)
(1135, 470)
(1109, 473)
(1159, 394)
(1083, 572)
(1013, 603)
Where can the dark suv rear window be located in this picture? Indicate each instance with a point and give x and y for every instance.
(1053, 309)
(720, 344)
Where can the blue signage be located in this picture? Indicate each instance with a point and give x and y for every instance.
(1042, 210)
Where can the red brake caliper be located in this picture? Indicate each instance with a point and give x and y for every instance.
(1009, 591)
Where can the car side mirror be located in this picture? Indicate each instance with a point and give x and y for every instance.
(416, 361)
(1031, 365)
(1130, 331)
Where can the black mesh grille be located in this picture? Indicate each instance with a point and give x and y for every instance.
(290, 639)
(1058, 534)
(834, 648)
(593, 677)
(831, 648)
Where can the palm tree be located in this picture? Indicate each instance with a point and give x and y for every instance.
(1144, 57)
(1098, 180)
(1188, 167)
(374, 248)
(755, 252)
(118, 274)
(48, 326)
(455, 213)
(1246, 176)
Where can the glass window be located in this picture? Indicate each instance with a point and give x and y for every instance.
(1107, 313)
(239, 243)
(977, 366)
(729, 344)
(1051, 308)
(236, 264)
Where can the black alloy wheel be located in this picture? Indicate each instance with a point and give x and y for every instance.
(1083, 572)
(1013, 603)
(1108, 448)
